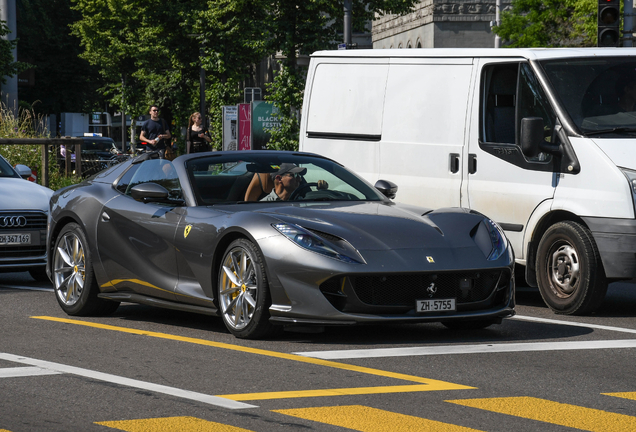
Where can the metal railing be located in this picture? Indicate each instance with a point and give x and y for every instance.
(68, 143)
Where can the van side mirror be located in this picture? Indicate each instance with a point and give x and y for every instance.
(531, 135)
(531, 138)
(386, 188)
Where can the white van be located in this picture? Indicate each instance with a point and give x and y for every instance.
(543, 141)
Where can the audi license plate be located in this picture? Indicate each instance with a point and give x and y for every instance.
(13, 239)
(436, 305)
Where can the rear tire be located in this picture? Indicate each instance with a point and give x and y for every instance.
(570, 272)
(244, 297)
(74, 281)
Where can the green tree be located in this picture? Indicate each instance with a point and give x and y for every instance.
(8, 67)
(549, 23)
(64, 82)
(142, 52)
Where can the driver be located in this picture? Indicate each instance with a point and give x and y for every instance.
(286, 180)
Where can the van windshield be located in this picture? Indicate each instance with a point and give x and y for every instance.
(599, 94)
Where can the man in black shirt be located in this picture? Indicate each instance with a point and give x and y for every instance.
(155, 133)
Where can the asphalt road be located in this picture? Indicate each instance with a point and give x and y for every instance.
(145, 369)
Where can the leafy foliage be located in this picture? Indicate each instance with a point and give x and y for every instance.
(549, 23)
(27, 124)
(63, 81)
(7, 66)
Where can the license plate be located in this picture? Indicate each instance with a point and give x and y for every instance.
(12, 239)
(436, 305)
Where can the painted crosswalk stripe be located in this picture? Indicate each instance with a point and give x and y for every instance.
(115, 379)
(367, 419)
(25, 371)
(470, 349)
(547, 411)
(171, 424)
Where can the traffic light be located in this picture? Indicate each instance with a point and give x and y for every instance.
(609, 23)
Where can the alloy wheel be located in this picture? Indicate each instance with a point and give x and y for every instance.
(239, 288)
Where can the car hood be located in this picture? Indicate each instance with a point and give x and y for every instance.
(382, 226)
(20, 194)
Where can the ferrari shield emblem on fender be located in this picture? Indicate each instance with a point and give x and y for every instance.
(430, 259)
(186, 231)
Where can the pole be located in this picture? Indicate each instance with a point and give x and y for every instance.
(123, 116)
(202, 86)
(628, 23)
(497, 22)
(347, 23)
(10, 89)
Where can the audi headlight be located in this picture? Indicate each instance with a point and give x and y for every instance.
(310, 241)
(490, 238)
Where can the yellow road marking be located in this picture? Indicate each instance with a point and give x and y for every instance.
(170, 424)
(341, 392)
(368, 419)
(624, 395)
(573, 416)
(294, 357)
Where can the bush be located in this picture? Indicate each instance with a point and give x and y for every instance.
(29, 125)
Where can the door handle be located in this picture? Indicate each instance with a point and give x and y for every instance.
(472, 163)
(105, 217)
(453, 162)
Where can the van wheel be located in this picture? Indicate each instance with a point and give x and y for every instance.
(569, 270)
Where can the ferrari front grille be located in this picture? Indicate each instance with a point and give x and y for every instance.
(402, 290)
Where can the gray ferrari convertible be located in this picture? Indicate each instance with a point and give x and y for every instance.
(265, 238)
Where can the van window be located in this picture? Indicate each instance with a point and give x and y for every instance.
(513, 92)
(347, 100)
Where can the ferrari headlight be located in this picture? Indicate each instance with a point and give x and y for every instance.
(490, 239)
(310, 241)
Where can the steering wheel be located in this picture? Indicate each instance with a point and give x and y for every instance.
(300, 188)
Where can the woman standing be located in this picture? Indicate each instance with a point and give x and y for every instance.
(198, 138)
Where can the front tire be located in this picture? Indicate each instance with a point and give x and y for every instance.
(244, 291)
(73, 278)
(570, 272)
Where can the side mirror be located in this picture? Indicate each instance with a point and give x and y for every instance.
(531, 138)
(531, 135)
(23, 171)
(149, 192)
(387, 188)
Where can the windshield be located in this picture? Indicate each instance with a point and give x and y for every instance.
(268, 178)
(598, 93)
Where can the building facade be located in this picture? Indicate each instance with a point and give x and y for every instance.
(439, 24)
